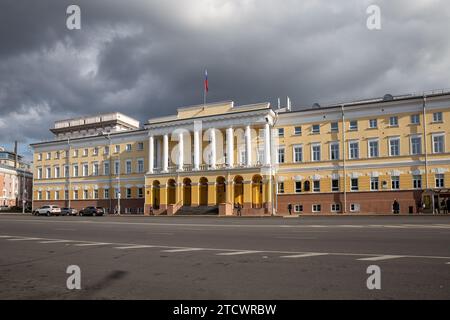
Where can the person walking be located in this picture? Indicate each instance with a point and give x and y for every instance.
(448, 205)
(290, 208)
(239, 208)
(151, 210)
(396, 207)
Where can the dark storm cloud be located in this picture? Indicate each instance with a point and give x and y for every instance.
(146, 58)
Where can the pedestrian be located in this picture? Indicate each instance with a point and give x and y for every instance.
(396, 207)
(151, 210)
(444, 206)
(290, 208)
(419, 206)
(239, 207)
(448, 205)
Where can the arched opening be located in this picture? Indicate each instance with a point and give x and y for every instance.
(220, 190)
(156, 191)
(187, 192)
(257, 191)
(239, 190)
(171, 191)
(203, 192)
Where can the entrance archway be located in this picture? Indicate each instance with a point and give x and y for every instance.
(220, 190)
(239, 190)
(171, 191)
(187, 192)
(257, 191)
(156, 191)
(203, 192)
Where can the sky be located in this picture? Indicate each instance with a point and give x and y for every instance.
(147, 58)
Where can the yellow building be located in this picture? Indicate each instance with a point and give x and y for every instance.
(355, 157)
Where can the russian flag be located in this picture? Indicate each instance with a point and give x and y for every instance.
(206, 81)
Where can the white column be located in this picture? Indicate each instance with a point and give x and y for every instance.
(165, 153)
(248, 145)
(213, 148)
(180, 152)
(230, 147)
(151, 154)
(197, 149)
(267, 161)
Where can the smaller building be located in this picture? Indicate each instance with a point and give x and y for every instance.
(16, 179)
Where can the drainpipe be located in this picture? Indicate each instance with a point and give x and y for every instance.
(344, 154)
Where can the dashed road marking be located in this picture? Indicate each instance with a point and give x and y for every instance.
(134, 247)
(55, 241)
(305, 255)
(183, 250)
(23, 239)
(237, 253)
(380, 258)
(91, 244)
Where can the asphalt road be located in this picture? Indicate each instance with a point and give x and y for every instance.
(224, 258)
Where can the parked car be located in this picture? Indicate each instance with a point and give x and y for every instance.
(69, 212)
(4, 208)
(91, 211)
(48, 210)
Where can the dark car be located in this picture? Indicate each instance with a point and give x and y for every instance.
(68, 212)
(91, 211)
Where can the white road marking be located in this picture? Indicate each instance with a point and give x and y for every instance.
(91, 244)
(183, 250)
(6, 237)
(305, 255)
(379, 258)
(23, 239)
(134, 247)
(237, 253)
(55, 241)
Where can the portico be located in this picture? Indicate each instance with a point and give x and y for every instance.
(211, 157)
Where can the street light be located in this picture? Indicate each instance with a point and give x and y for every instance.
(24, 201)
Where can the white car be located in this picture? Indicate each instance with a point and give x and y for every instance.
(48, 210)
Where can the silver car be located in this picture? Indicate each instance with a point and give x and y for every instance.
(48, 210)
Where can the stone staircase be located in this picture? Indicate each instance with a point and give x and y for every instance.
(197, 211)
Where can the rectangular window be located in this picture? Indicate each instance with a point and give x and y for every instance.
(57, 172)
(49, 156)
(355, 207)
(298, 153)
(39, 156)
(373, 148)
(415, 119)
(281, 132)
(439, 180)
(140, 146)
(48, 173)
(316, 185)
(106, 150)
(353, 150)
(66, 194)
(316, 208)
(57, 155)
(417, 182)
(85, 152)
(75, 170)
(354, 184)
(85, 194)
(438, 143)
(335, 185)
(106, 193)
(95, 169)
(298, 208)
(95, 152)
(117, 167)
(117, 149)
(140, 166)
(280, 187)
(334, 151)
(298, 131)
(353, 125)
(373, 123)
(394, 147)
(39, 195)
(67, 153)
(140, 192)
(315, 129)
(39, 173)
(47, 195)
(95, 194)
(393, 121)
(335, 207)
(66, 171)
(437, 117)
(56, 195)
(128, 193)
(298, 186)
(128, 147)
(334, 127)
(395, 182)
(128, 167)
(416, 145)
(315, 151)
(281, 157)
(75, 194)
(85, 170)
(374, 183)
(106, 168)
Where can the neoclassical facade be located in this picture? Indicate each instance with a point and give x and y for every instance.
(355, 157)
